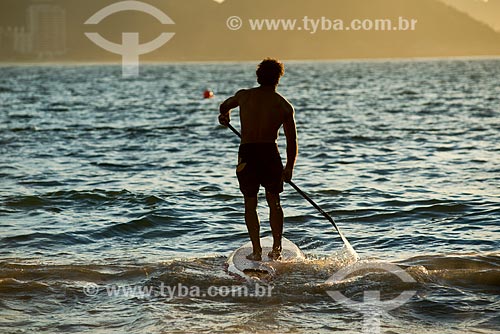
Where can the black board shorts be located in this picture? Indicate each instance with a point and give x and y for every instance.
(259, 164)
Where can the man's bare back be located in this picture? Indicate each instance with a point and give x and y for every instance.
(262, 112)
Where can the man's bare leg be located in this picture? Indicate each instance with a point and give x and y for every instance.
(253, 226)
(276, 220)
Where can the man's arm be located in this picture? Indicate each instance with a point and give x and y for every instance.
(292, 146)
(225, 109)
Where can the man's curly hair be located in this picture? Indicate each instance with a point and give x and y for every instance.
(269, 72)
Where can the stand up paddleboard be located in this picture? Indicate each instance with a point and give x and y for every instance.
(239, 265)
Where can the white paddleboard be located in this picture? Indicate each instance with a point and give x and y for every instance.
(239, 265)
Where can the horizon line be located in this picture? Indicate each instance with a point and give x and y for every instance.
(361, 59)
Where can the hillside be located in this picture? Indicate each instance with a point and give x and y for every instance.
(484, 11)
(202, 34)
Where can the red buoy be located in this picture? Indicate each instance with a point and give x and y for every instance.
(208, 94)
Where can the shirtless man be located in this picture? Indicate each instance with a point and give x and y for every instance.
(262, 112)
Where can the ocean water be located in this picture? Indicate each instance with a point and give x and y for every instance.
(112, 182)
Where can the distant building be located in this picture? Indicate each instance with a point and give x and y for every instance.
(47, 25)
(3, 43)
(22, 41)
(7, 42)
(44, 36)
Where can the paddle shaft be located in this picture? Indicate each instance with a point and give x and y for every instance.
(306, 197)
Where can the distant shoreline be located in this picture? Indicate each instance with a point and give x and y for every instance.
(146, 63)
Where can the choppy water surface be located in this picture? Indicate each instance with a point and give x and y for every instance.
(113, 181)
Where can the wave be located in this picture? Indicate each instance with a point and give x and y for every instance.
(135, 226)
(4, 89)
(58, 107)
(41, 240)
(81, 198)
(447, 287)
(470, 271)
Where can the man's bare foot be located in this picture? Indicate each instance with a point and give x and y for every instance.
(255, 257)
(275, 254)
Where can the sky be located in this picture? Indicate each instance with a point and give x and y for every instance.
(487, 11)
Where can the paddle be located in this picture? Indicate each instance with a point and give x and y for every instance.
(316, 206)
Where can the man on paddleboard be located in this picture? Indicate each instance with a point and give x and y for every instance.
(262, 113)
